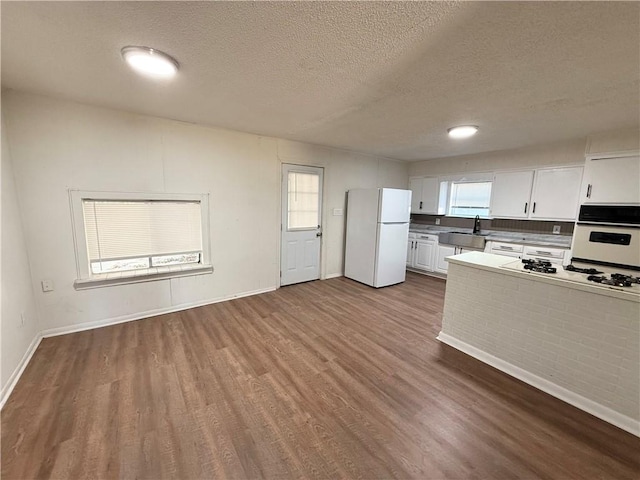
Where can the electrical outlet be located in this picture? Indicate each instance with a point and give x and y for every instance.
(437, 221)
(47, 285)
(556, 229)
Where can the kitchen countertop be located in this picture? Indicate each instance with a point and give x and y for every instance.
(498, 263)
(562, 241)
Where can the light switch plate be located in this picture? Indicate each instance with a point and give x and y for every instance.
(47, 285)
(337, 212)
(437, 221)
(556, 229)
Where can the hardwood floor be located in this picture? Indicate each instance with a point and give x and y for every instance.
(327, 379)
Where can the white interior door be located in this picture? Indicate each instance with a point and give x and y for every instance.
(301, 224)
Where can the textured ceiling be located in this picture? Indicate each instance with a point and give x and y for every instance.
(383, 78)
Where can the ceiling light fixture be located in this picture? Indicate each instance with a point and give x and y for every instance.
(462, 131)
(150, 62)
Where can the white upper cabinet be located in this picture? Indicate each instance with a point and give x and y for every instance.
(511, 194)
(425, 194)
(415, 185)
(542, 194)
(611, 180)
(555, 193)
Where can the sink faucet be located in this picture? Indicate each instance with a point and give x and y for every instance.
(476, 225)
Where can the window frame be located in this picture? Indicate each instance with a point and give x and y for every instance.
(451, 189)
(86, 279)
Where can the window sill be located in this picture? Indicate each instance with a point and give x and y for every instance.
(138, 276)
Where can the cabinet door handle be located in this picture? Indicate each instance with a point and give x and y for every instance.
(534, 207)
(526, 204)
(589, 191)
(420, 205)
(542, 252)
(502, 247)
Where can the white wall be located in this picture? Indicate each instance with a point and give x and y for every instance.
(17, 293)
(57, 145)
(563, 153)
(614, 141)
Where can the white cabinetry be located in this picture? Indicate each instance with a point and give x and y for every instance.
(611, 180)
(443, 252)
(506, 249)
(425, 194)
(542, 194)
(511, 194)
(421, 253)
(555, 193)
(555, 255)
(410, 243)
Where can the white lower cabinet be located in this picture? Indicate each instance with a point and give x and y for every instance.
(423, 259)
(443, 252)
(421, 252)
(410, 243)
(555, 255)
(507, 249)
(558, 256)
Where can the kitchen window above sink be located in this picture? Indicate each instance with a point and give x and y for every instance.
(468, 199)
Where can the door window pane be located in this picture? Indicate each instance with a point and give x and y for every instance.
(303, 193)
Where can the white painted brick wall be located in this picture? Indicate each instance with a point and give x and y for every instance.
(586, 343)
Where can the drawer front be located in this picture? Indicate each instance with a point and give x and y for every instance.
(544, 252)
(498, 247)
(425, 237)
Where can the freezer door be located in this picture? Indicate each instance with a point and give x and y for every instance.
(391, 254)
(395, 205)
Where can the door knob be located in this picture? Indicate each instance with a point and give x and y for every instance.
(319, 234)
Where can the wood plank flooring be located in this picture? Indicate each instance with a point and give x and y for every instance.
(327, 379)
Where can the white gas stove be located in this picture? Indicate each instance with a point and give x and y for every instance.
(594, 275)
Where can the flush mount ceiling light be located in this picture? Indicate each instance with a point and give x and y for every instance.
(463, 131)
(150, 62)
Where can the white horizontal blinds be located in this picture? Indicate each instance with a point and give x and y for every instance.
(470, 198)
(303, 192)
(474, 194)
(125, 229)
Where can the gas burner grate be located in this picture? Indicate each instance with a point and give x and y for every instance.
(588, 271)
(539, 266)
(616, 280)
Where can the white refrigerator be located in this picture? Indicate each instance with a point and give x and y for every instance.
(377, 235)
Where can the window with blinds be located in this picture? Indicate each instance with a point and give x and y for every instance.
(303, 190)
(133, 235)
(469, 199)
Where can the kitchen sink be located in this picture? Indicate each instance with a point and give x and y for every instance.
(462, 239)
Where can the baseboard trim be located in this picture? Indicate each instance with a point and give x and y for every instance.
(333, 275)
(54, 332)
(17, 373)
(597, 410)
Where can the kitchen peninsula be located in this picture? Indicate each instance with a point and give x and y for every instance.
(572, 339)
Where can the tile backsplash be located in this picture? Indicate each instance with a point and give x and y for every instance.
(505, 225)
